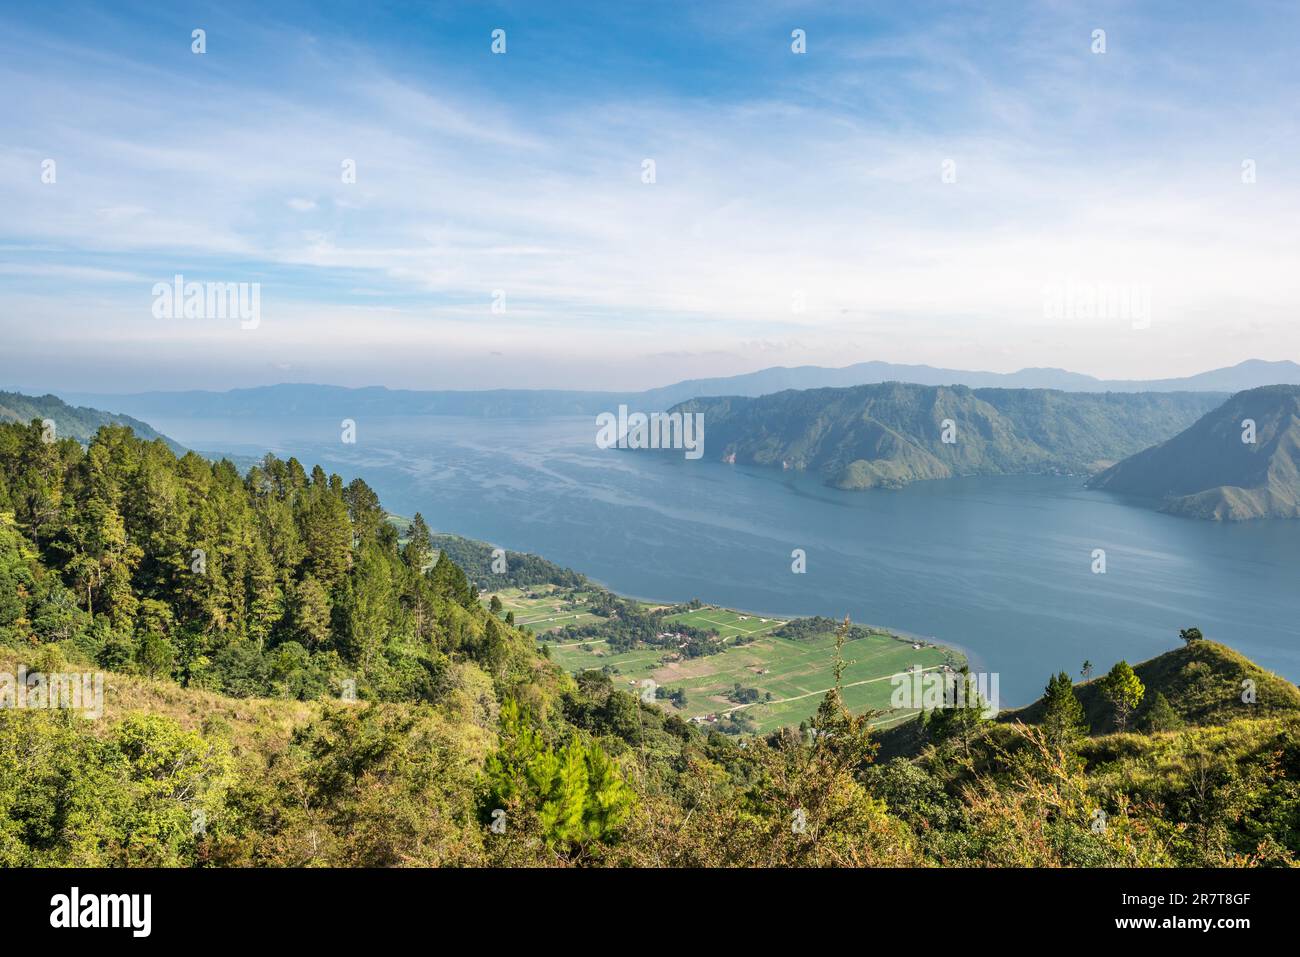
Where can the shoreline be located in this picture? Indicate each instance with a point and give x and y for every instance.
(972, 660)
(881, 629)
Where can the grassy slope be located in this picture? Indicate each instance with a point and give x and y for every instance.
(252, 723)
(1201, 681)
(260, 727)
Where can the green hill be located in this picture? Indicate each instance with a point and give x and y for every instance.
(1210, 471)
(895, 433)
(1202, 681)
(72, 422)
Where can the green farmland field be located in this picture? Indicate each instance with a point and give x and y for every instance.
(796, 674)
(728, 624)
(552, 608)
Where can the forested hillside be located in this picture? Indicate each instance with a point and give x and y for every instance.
(233, 583)
(291, 683)
(895, 433)
(73, 422)
(1241, 461)
(500, 567)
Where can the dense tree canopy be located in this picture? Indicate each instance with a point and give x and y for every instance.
(277, 582)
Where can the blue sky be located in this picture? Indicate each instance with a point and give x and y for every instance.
(799, 212)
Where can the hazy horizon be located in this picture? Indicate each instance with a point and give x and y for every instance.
(276, 383)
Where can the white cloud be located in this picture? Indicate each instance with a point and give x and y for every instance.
(459, 194)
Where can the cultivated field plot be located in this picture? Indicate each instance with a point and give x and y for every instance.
(796, 674)
(547, 609)
(727, 623)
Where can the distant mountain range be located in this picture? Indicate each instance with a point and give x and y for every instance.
(1240, 461)
(307, 399)
(1245, 375)
(895, 433)
(72, 422)
(302, 399)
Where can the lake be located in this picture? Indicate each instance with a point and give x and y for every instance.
(999, 567)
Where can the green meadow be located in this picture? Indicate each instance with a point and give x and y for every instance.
(728, 624)
(547, 609)
(790, 676)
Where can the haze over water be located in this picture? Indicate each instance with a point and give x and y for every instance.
(1001, 567)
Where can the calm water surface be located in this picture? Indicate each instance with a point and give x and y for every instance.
(1000, 567)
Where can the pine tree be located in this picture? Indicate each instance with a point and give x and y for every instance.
(609, 799)
(1161, 715)
(573, 797)
(1124, 690)
(963, 715)
(368, 607)
(419, 544)
(37, 485)
(364, 511)
(326, 534)
(155, 655)
(266, 605)
(449, 582)
(311, 613)
(564, 798)
(1063, 717)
